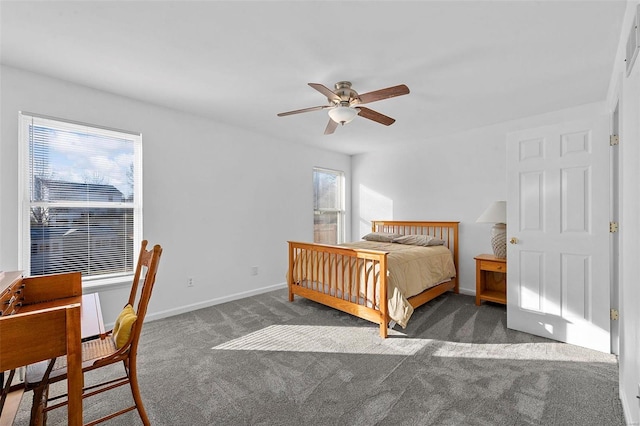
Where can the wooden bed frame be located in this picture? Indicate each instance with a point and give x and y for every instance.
(343, 258)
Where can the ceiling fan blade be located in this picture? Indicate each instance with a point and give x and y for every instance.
(298, 111)
(375, 116)
(325, 91)
(331, 127)
(389, 92)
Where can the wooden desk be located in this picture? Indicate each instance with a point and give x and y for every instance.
(46, 317)
(91, 323)
(491, 279)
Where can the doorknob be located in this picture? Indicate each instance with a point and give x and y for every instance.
(513, 240)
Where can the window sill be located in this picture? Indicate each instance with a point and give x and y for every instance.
(93, 285)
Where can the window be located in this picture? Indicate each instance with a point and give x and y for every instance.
(328, 206)
(81, 195)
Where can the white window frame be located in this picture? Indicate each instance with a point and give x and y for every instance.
(341, 196)
(24, 203)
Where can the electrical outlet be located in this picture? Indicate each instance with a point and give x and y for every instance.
(190, 282)
(254, 270)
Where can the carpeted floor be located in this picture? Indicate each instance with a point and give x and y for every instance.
(265, 361)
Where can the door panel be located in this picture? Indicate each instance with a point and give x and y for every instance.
(557, 209)
(532, 282)
(532, 189)
(575, 283)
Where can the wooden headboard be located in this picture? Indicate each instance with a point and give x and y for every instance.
(446, 231)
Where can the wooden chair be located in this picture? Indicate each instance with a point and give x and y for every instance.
(101, 352)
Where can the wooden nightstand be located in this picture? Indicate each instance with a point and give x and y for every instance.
(491, 279)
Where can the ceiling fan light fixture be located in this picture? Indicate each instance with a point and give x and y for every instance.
(345, 104)
(343, 114)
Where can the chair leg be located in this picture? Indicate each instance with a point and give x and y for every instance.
(38, 415)
(135, 390)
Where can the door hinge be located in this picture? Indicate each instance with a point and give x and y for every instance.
(613, 227)
(614, 314)
(614, 140)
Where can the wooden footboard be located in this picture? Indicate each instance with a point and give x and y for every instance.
(336, 276)
(349, 279)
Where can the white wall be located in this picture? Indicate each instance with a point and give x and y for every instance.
(209, 188)
(456, 177)
(218, 199)
(626, 90)
(450, 178)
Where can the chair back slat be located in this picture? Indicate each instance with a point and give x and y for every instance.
(147, 266)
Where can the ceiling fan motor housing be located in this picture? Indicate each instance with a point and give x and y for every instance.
(345, 92)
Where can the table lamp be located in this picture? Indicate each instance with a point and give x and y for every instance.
(496, 213)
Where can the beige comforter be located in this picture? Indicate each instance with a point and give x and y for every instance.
(411, 270)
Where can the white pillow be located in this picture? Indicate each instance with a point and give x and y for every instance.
(418, 240)
(382, 237)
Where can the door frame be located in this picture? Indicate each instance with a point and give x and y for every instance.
(614, 241)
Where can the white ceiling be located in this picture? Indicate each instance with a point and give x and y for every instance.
(467, 64)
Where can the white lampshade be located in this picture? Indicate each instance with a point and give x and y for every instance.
(495, 213)
(343, 114)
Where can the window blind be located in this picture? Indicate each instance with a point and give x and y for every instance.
(82, 196)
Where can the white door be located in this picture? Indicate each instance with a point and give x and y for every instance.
(558, 232)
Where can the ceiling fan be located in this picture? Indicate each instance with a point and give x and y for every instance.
(344, 104)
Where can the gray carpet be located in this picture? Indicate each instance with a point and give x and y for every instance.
(265, 361)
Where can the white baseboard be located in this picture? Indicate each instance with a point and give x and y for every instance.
(467, 292)
(626, 409)
(212, 302)
(232, 297)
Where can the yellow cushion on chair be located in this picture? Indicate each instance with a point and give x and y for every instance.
(123, 325)
(128, 310)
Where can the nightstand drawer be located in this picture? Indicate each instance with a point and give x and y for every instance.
(488, 265)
